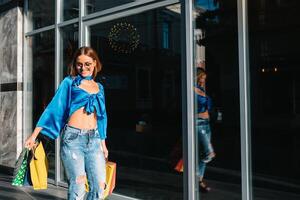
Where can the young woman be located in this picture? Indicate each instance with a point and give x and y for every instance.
(77, 111)
(206, 151)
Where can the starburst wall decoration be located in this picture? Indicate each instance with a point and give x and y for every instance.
(123, 38)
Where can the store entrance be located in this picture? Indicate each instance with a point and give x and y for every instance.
(141, 57)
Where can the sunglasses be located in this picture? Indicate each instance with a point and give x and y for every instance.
(81, 65)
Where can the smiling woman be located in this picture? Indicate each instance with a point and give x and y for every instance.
(78, 111)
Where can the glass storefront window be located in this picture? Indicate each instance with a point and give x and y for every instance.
(70, 9)
(42, 81)
(69, 43)
(216, 94)
(40, 14)
(274, 64)
(142, 82)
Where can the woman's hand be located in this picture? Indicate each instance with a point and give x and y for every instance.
(29, 143)
(105, 152)
(199, 92)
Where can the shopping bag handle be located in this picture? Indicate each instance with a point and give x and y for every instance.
(36, 143)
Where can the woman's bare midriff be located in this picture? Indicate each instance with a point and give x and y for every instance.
(80, 119)
(203, 115)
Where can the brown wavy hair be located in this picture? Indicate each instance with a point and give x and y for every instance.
(200, 72)
(90, 52)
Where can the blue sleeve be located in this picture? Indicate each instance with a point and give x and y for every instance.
(102, 121)
(209, 104)
(55, 115)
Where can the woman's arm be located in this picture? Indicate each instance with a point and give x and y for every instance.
(102, 124)
(52, 119)
(56, 113)
(104, 148)
(199, 92)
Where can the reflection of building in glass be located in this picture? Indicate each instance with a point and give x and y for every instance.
(207, 4)
(96, 5)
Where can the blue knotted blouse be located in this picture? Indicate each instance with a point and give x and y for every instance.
(204, 103)
(67, 99)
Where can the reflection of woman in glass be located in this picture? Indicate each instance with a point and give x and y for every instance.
(206, 152)
(78, 112)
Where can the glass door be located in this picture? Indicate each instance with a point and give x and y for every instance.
(141, 57)
(216, 97)
(273, 57)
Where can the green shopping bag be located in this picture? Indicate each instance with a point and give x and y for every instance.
(20, 169)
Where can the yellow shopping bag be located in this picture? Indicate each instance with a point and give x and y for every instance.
(39, 167)
(111, 168)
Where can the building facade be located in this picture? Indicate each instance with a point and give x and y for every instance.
(150, 51)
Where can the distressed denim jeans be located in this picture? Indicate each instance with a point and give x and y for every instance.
(204, 142)
(82, 157)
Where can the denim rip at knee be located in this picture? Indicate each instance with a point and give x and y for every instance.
(204, 143)
(83, 158)
(204, 137)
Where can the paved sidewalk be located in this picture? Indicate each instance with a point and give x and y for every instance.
(220, 191)
(9, 192)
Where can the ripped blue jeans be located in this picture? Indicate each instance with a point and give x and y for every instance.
(204, 143)
(82, 157)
